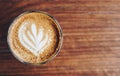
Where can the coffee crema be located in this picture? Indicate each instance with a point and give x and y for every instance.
(34, 37)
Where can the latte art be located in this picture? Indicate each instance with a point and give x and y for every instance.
(32, 39)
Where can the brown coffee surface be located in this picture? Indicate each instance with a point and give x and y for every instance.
(33, 37)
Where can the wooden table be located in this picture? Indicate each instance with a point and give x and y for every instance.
(91, 30)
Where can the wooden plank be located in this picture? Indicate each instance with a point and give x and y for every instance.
(91, 45)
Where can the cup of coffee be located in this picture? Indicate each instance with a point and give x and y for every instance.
(35, 37)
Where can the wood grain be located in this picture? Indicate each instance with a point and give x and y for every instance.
(91, 30)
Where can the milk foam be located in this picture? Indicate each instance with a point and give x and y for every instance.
(34, 39)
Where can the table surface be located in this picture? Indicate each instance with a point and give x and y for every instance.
(91, 31)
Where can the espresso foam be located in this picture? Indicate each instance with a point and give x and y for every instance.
(33, 37)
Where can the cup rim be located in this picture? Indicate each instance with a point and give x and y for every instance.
(60, 37)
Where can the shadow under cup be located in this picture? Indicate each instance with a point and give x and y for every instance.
(59, 44)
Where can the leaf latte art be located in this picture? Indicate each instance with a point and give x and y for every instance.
(33, 39)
